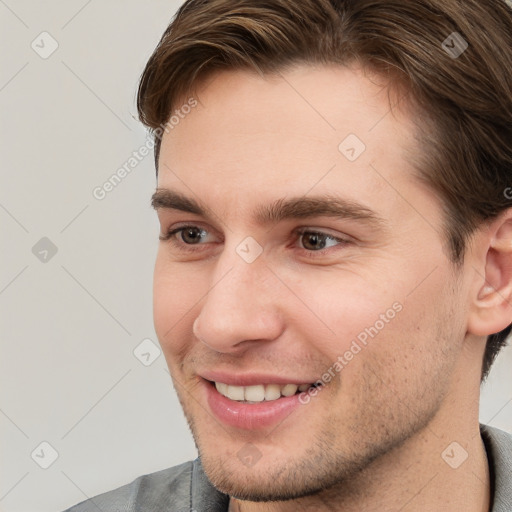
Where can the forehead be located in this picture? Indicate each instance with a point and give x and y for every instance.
(310, 129)
(328, 94)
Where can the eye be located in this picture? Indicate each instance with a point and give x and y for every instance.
(188, 235)
(315, 241)
(310, 241)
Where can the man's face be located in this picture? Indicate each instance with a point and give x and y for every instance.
(242, 298)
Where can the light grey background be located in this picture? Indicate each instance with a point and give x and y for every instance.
(70, 323)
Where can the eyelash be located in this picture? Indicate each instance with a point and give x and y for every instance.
(169, 237)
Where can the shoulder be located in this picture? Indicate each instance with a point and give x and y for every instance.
(176, 488)
(498, 444)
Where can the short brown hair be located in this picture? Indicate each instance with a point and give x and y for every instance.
(463, 95)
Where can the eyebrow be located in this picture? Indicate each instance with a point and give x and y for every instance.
(282, 209)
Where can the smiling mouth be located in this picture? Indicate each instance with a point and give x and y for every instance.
(260, 392)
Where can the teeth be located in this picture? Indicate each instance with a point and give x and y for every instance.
(289, 390)
(235, 392)
(272, 392)
(259, 392)
(254, 393)
(222, 388)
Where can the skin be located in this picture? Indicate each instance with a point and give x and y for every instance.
(372, 439)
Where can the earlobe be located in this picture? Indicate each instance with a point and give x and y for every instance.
(491, 309)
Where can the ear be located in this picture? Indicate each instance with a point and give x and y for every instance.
(491, 307)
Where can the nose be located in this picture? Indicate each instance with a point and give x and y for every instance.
(241, 308)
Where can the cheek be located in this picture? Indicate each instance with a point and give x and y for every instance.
(175, 292)
(415, 351)
(342, 307)
(352, 322)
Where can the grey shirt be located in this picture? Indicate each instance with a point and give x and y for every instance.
(185, 488)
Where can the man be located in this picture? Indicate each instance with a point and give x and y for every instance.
(334, 275)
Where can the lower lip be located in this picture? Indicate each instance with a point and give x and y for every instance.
(250, 416)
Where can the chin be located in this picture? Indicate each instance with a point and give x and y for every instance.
(254, 487)
(281, 480)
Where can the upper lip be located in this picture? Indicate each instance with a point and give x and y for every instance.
(250, 379)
